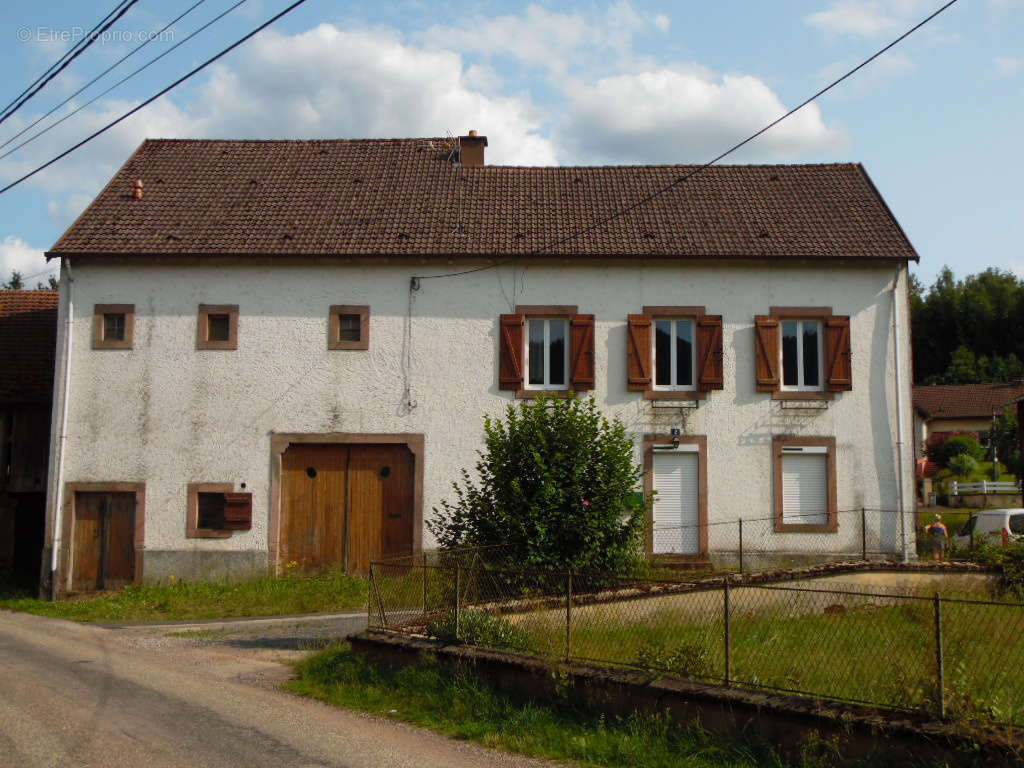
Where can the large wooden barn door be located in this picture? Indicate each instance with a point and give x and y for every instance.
(345, 504)
(103, 551)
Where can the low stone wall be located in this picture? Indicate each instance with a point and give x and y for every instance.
(789, 723)
(989, 500)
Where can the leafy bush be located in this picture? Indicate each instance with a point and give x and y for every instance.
(963, 465)
(481, 628)
(685, 659)
(933, 445)
(557, 489)
(959, 445)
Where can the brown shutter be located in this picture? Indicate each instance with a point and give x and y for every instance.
(581, 353)
(237, 511)
(638, 351)
(838, 370)
(510, 360)
(709, 353)
(766, 352)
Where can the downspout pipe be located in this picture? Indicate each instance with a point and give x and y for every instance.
(62, 438)
(901, 501)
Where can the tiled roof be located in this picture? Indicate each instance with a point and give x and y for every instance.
(404, 197)
(28, 339)
(964, 401)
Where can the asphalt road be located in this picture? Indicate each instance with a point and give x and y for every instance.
(77, 695)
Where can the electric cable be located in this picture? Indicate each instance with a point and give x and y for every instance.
(700, 168)
(123, 80)
(59, 61)
(92, 38)
(149, 39)
(155, 96)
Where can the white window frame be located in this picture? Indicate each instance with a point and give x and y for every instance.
(673, 387)
(546, 384)
(800, 386)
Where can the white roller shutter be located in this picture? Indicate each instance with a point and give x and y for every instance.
(805, 489)
(675, 507)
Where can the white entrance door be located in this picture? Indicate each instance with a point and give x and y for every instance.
(676, 518)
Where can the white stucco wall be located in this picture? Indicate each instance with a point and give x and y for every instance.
(167, 414)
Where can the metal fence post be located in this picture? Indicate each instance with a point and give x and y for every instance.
(741, 544)
(728, 634)
(568, 614)
(380, 603)
(939, 667)
(424, 583)
(863, 534)
(458, 608)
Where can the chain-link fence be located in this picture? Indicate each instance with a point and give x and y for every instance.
(894, 648)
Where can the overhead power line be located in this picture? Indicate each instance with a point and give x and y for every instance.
(59, 61)
(149, 39)
(92, 37)
(155, 96)
(118, 84)
(700, 168)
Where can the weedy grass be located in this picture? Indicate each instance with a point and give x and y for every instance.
(462, 706)
(181, 600)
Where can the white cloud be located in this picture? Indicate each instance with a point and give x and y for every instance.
(686, 115)
(1008, 65)
(16, 254)
(553, 41)
(860, 17)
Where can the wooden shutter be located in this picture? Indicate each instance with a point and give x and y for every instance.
(510, 358)
(766, 352)
(237, 511)
(709, 353)
(581, 353)
(638, 351)
(838, 371)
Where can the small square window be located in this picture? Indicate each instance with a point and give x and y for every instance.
(113, 326)
(218, 326)
(349, 327)
(215, 511)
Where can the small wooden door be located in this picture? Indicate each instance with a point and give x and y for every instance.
(345, 504)
(102, 548)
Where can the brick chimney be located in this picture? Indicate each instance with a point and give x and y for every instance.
(471, 149)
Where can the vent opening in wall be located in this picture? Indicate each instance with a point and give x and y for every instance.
(385, 471)
(311, 472)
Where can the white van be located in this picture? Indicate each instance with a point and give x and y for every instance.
(990, 524)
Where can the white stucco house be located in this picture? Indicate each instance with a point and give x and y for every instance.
(281, 351)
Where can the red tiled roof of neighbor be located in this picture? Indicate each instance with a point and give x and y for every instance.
(964, 401)
(28, 339)
(403, 197)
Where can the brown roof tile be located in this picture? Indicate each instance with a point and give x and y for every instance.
(964, 401)
(28, 340)
(402, 196)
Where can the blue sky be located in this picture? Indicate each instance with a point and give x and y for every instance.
(936, 122)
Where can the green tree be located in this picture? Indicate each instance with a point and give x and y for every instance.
(16, 283)
(963, 465)
(959, 446)
(556, 489)
(1005, 437)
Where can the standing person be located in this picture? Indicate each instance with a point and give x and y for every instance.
(938, 538)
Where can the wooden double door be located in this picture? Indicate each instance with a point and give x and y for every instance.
(345, 504)
(103, 548)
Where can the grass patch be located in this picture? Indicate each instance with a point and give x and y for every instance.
(200, 634)
(876, 650)
(181, 600)
(463, 707)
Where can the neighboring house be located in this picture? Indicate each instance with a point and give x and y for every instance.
(959, 408)
(28, 337)
(282, 351)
